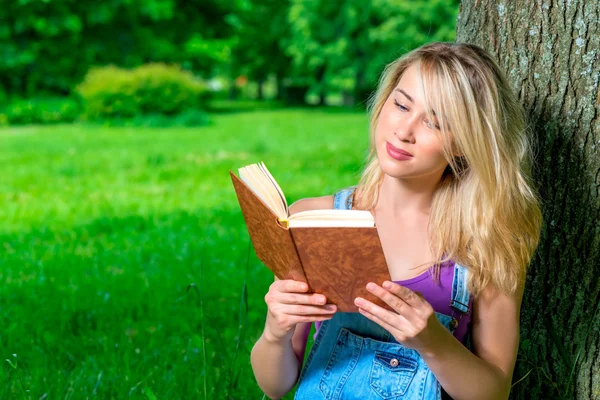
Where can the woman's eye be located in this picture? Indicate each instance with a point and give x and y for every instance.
(431, 125)
(400, 106)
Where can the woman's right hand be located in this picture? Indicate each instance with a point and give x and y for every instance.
(289, 304)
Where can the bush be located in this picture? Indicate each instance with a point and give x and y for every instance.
(40, 111)
(187, 118)
(116, 93)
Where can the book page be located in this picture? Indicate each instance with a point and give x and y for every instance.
(332, 218)
(249, 179)
(263, 188)
(268, 183)
(268, 174)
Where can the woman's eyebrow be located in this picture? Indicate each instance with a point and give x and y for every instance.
(410, 98)
(405, 94)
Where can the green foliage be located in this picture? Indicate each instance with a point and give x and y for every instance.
(112, 92)
(40, 111)
(315, 46)
(191, 117)
(167, 89)
(48, 46)
(258, 49)
(344, 45)
(109, 92)
(187, 118)
(3, 98)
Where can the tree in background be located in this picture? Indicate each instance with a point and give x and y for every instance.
(342, 46)
(48, 46)
(551, 52)
(259, 27)
(328, 46)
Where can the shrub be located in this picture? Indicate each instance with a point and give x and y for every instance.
(40, 111)
(187, 118)
(192, 118)
(111, 92)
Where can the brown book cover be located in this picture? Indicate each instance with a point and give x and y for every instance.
(336, 262)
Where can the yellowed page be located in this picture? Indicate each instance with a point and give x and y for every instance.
(332, 218)
(275, 184)
(262, 186)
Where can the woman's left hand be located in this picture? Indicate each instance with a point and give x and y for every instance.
(413, 321)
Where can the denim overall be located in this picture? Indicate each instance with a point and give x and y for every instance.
(354, 358)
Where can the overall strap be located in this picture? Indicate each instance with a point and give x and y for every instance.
(342, 200)
(460, 293)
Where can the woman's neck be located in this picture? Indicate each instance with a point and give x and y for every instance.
(400, 196)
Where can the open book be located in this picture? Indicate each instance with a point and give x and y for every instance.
(337, 252)
(258, 178)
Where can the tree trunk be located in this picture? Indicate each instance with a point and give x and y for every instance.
(320, 77)
(550, 51)
(260, 82)
(279, 84)
(348, 98)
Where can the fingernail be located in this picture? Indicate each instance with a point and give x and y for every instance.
(387, 285)
(370, 286)
(330, 307)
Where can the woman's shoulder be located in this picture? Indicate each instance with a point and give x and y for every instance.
(320, 203)
(312, 203)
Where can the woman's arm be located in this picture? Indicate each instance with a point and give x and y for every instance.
(277, 364)
(487, 372)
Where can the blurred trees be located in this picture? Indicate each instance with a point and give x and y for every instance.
(260, 27)
(341, 46)
(344, 45)
(49, 45)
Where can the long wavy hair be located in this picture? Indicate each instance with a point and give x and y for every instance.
(485, 213)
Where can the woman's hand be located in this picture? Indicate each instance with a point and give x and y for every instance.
(289, 304)
(413, 321)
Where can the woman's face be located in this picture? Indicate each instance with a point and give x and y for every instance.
(408, 145)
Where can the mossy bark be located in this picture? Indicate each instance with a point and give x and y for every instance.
(550, 51)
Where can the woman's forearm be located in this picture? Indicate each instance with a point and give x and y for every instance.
(275, 366)
(462, 374)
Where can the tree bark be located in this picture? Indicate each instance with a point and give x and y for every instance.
(279, 94)
(259, 94)
(550, 51)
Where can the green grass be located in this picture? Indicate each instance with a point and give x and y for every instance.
(105, 229)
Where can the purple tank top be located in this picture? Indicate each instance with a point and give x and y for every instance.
(438, 294)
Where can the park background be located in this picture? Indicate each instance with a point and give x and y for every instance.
(126, 269)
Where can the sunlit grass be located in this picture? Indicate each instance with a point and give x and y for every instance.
(104, 229)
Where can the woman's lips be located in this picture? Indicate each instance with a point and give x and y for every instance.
(396, 153)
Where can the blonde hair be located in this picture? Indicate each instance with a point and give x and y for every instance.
(485, 213)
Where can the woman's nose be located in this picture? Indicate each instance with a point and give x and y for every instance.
(405, 131)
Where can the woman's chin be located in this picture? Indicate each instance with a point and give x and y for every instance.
(393, 169)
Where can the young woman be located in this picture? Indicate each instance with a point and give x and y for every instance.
(448, 184)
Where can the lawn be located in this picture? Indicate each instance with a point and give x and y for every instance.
(125, 269)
